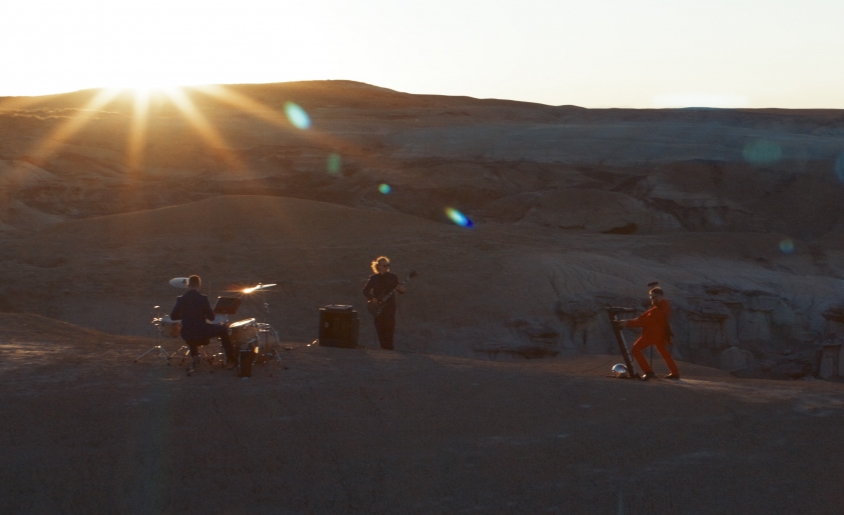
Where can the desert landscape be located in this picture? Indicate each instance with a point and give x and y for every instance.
(499, 397)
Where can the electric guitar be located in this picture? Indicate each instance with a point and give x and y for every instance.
(376, 306)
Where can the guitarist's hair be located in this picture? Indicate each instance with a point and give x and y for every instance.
(375, 263)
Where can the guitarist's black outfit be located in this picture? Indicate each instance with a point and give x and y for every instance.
(376, 287)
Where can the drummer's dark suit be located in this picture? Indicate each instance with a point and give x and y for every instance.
(193, 309)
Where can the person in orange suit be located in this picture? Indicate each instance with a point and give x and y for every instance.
(656, 332)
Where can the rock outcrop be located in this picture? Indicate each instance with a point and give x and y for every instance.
(736, 212)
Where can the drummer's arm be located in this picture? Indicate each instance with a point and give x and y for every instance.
(176, 314)
(209, 313)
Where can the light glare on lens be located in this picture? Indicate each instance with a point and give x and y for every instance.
(297, 116)
(839, 167)
(762, 152)
(334, 164)
(458, 217)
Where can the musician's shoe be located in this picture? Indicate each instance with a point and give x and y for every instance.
(194, 363)
(647, 375)
(673, 376)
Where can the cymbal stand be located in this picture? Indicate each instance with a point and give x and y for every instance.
(265, 327)
(159, 329)
(183, 350)
(275, 353)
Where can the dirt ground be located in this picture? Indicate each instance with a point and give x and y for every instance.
(369, 431)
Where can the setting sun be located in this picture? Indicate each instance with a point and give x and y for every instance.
(646, 53)
(150, 89)
(626, 218)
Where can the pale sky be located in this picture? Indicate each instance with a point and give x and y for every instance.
(592, 53)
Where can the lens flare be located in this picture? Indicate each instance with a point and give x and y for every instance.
(334, 164)
(762, 152)
(787, 246)
(297, 116)
(385, 189)
(458, 217)
(839, 167)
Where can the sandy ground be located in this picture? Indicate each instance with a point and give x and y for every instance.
(370, 431)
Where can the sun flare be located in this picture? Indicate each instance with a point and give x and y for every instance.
(141, 106)
(148, 90)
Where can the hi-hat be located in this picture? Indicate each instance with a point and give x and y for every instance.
(179, 282)
(258, 287)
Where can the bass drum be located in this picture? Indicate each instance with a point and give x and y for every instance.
(267, 342)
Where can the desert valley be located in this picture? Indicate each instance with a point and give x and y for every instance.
(498, 398)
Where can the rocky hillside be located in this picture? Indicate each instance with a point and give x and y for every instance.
(737, 213)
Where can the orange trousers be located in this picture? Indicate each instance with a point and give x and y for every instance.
(641, 345)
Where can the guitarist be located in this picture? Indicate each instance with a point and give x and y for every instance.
(379, 285)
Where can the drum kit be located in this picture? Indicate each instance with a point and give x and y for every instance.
(252, 340)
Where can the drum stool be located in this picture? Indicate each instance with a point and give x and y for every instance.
(202, 352)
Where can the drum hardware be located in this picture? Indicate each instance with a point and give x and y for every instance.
(204, 353)
(267, 340)
(245, 339)
(158, 321)
(259, 339)
(258, 287)
(268, 344)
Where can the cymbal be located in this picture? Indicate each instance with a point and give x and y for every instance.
(258, 287)
(179, 282)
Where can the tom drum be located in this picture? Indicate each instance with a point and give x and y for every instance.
(169, 327)
(244, 334)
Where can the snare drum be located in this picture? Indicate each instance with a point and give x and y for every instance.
(219, 319)
(244, 334)
(170, 327)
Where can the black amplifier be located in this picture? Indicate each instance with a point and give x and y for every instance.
(339, 326)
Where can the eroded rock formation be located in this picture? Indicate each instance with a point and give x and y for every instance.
(736, 212)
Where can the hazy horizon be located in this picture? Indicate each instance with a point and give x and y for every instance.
(607, 53)
(164, 91)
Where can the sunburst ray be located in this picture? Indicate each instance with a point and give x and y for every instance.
(50, 143)
(137, 131)
(279, 119)
(204, 128)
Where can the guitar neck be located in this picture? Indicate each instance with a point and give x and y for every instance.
(394, 290)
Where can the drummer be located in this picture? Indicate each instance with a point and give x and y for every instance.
(193, 309)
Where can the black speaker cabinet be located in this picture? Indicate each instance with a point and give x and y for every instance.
(339, 326)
